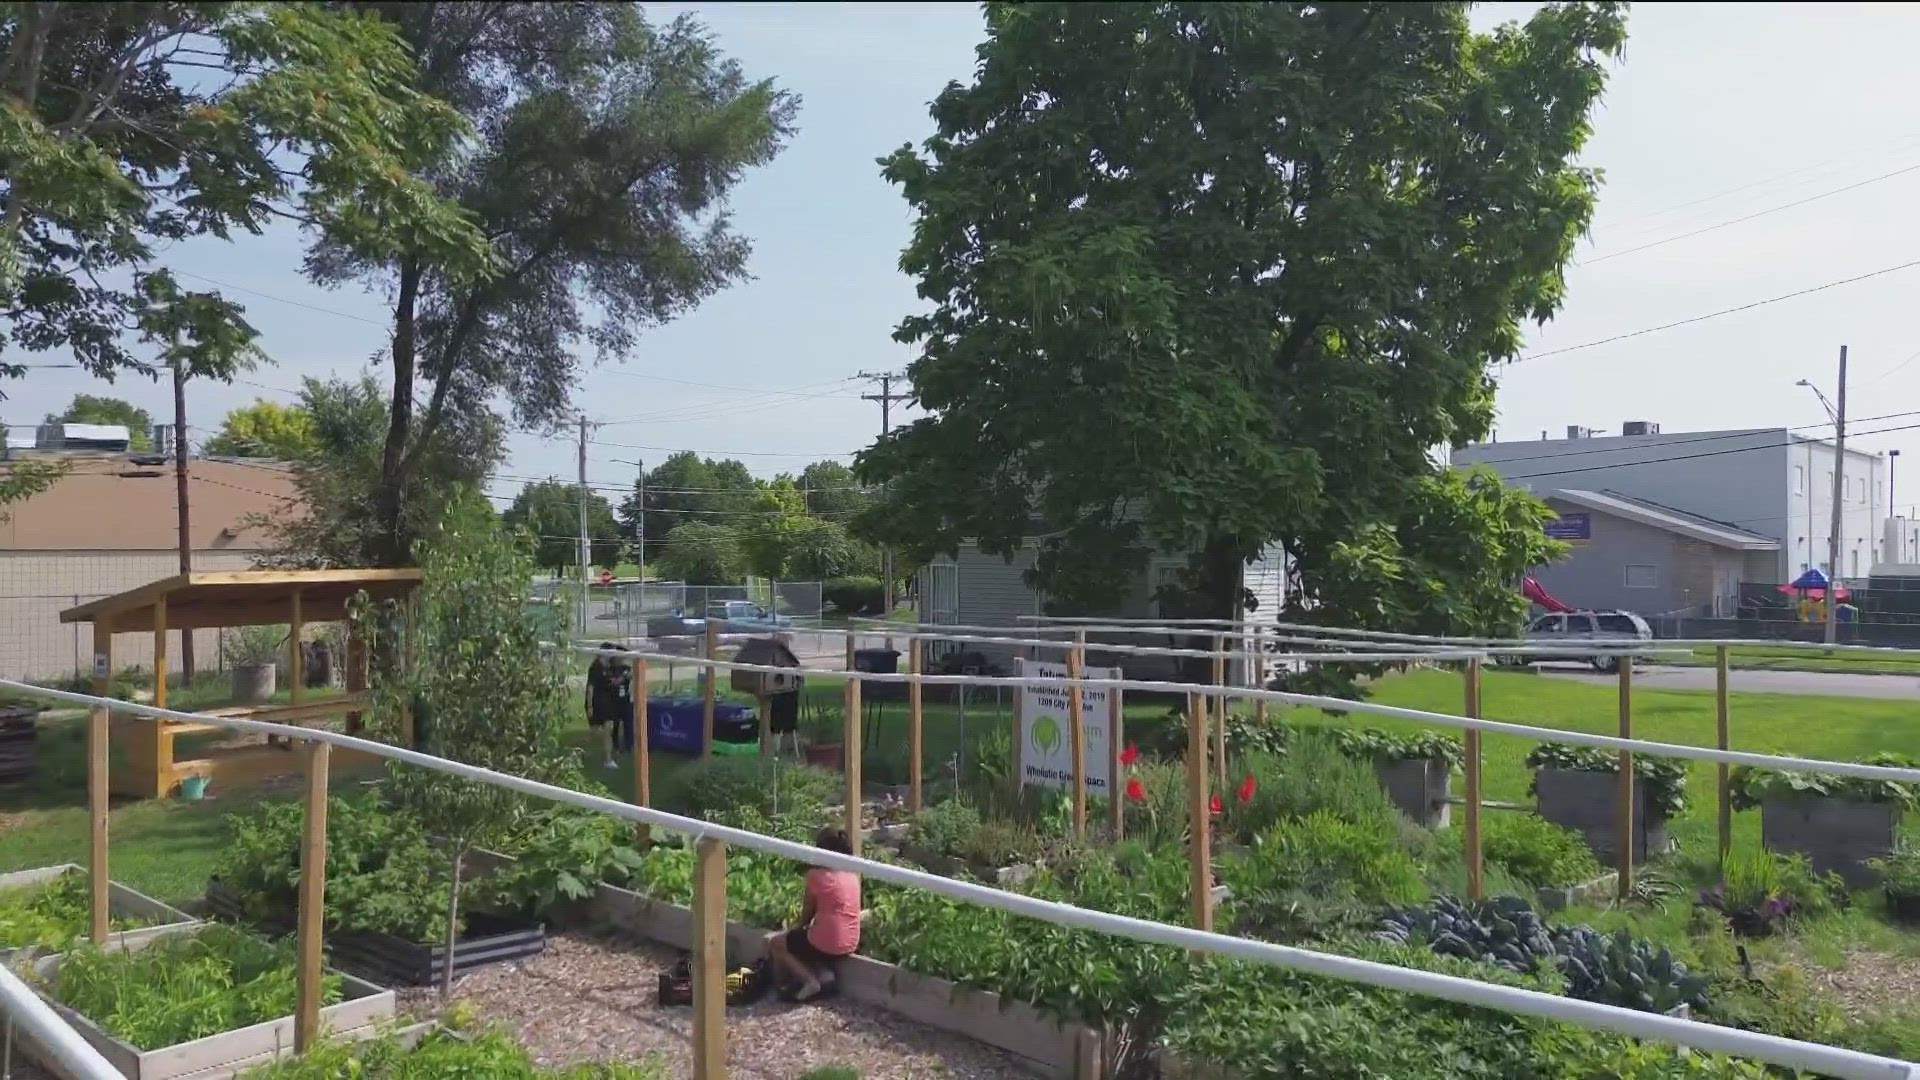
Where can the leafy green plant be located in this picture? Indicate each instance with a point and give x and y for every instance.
(1899, 871)
(1373, 744)
(1626, 971)
(993, 758)
(1665, 779)
(1159, 814)
(1536, 850)
(184, 987)
(1504, 931)
(1314, 872)
(562, 855)
(1749, 787)
(253, 646)
(1760, 890)
(1000, 842)
(52, 916)
(1313, 776)
(942, 828)
(772, 786)
(442, 1055)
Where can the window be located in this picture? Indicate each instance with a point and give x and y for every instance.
(1799, 480)
(1619, 624)
(1642, 576)
(1549, 624)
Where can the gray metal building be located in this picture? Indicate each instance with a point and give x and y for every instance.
(1655, 560)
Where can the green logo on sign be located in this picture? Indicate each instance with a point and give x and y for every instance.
(1046, 734)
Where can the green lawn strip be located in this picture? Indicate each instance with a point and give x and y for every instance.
(1773, 658)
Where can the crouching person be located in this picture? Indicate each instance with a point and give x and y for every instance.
(829, 927)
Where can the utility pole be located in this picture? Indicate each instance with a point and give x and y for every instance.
(180, 485)
(586, 547)
(886, 397)
(640, 521)
(1839, 491)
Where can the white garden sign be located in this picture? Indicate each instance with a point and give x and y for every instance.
(1046, 746)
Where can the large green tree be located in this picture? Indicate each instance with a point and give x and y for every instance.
(703, 554)
(548, 512)
(1204, 277)
(832, 490)
(128, 127)
(687, 488)
(265, 429)
(606, 150)
(89, 409)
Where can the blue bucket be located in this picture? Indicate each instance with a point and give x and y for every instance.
(194, 788)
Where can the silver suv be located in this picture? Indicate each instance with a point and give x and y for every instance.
(1585, 628)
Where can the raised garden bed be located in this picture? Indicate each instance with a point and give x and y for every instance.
(395, 961)
(1559, 898)
(363, 1011)
(1588, 803)
(124, 906)
(1837, 836)
(19, 743)
(1419, 787)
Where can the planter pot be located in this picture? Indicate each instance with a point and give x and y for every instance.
(19, 743)
(1553, 898)
(363, 1012)
(1904, 909)
(254, 683)
(1836, 835)
(122, 903)
(1419, 787)
(1588, 802)
(830, 756)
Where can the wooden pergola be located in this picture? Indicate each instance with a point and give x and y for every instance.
(187, 602)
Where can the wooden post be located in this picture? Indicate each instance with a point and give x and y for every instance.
(1116, 772)
(1476, 874)
(850, 644)
(642, 760)
(354, 675)
(296, 660)
(1220, 713)
(160, 653)
(710, 959)
(1725, 742)
(1019, 728)
(313, 903)
(1259, 677)
(851, 735)
(97, 779)
(1625, 814)
(764, 705)
(706, 714)
(1077, 735)
(1198, 819)
(916, 729)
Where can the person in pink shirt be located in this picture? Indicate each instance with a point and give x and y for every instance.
(829, 927)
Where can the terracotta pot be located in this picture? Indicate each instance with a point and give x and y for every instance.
(831, 756)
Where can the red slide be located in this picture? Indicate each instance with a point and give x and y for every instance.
(1532, 590)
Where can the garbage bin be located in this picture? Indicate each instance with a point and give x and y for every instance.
(677, 725)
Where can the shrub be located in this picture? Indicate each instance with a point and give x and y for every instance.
(1665, 778)
(1159, 815)
(855, 595)
(1000, 842)
(1314, 776)
(769, 785)
(1314, 873)
(1900, 871)
(443, 1055)
(941, 829)
(52, 916)
(1759, 890)
(1749, 787)
(1536, 850)
(1373, 744)
(561, 854)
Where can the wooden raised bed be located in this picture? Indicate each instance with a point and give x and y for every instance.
(395, 961)
(122, 903)
(1419, 787)
(1588, 802)
(363, 1011)
(1836, 835)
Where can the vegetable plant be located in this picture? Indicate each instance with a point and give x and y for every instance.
(184, 987)
(770, 785)
(1665, 779)
(1536, 850)
(1749, 786)
(941, 829)
(52, 916)
(1760, 890)
(442, 1055)
(1373, 744)
(1899, 871)
(253, 646)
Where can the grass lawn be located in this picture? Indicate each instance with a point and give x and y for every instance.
(1772, 658)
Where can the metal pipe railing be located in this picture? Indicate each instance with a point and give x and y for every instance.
(70, 1052)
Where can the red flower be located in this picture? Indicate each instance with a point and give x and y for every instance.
(1247, 788)
(1136, 791)
(1217, 805)
(1130, 755)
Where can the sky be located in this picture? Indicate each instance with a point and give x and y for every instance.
(1750, 151)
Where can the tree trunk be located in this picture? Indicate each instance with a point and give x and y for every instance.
(453, 925)
(393, 454)
(180, 481)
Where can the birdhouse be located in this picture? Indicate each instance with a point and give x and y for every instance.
(767, 652)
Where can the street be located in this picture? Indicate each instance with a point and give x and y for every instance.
(1814, 683)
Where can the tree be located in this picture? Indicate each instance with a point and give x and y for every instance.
(818, 550)
(548, 512)
(1206, 277)
(332, 523)
(777, 515)
(832, 491)
(22, 480)
(265, 429)
(703, 554)
(606, 150)
(137, 125)
(88, 409)
(688, 488)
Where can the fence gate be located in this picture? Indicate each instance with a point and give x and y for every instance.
(940, 597)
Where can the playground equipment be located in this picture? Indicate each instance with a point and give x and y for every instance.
(294, 598)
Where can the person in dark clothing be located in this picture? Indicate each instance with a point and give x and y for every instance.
(610, 697)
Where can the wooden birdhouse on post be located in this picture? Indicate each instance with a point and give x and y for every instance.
(767, 652)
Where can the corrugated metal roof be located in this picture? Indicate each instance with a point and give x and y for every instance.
(1668, 518)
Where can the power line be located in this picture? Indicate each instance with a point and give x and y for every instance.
(1745, 433)
(1680, 457)
(737, 453)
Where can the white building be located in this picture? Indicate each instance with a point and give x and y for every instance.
(1768, 481)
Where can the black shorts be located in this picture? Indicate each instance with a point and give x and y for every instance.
(802, 948)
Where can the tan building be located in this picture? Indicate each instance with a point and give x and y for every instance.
(112, 524)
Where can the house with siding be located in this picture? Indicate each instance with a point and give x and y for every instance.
(1637, 555)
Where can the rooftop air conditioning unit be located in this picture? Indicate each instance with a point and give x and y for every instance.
(1639, 427)
(1575, 431)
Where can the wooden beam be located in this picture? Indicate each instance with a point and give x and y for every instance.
(1725, 742)
(1476, 871)
(355, 676)
(1198, 817)
(310, 962)
(916, 728)
(851, 735)
(296, 660)
(763, 705)
(1259, 677)
(642, 763)
(1625, 812)
(1077, 734)
(160, 653)
(712, 646)
(97, 783)
(1220, 714)
(1116, 772)
(710, 959)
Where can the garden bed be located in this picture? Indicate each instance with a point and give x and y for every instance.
(1588, 803)
(362, 1010)
(1836, 835)
(1419, 787)
(1559, 898)
(124, 905)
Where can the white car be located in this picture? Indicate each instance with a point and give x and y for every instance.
(1583, 629)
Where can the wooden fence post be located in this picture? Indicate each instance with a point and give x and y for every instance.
(712, 646)
(1476, 872)
(1725, 742)
(763, 704)
(851, 737)
(313, 903)
(296, 660)
(1198, 819)
(1220, 713)
(642, 759)
(98, 780)
(1259, 677)
(1625, 814)
(916, 729)
(1116, 772)
(1077, 735)
(160, 653)
(710, 959)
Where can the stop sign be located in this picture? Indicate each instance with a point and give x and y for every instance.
(606, 577)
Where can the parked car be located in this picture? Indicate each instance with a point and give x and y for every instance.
(1585, 628)
(733, 617)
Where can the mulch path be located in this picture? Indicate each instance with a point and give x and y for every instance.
(592, 997)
